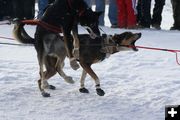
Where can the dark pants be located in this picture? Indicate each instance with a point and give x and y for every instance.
(144, 16)
(24, 9)
(50, 1)
(144, 12)
(176, 13)
(157, 12)
(5, 8)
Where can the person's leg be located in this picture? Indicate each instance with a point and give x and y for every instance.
(131, 13)
(145, 19)
(1, 10)
(33, 9)
(18, 9)
(29, 9)
(50, 1)
(138, 7)
(157, 13)
(10, 11)
(5, 9)
(42, 4)
(122, 14)
(177, 15)
(89, 2)
(174, 2)
(113, 12)
(100, 6)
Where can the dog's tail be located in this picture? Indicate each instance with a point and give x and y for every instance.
(20, 33)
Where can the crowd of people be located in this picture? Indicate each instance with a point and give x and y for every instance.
(129, 14)
(17, 9)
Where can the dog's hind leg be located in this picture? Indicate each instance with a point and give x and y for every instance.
(44, 76)
(88, 69)
(42, 83)
(59, 69)
(50, 65)
(83, 76)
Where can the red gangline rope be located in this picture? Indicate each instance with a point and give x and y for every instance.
(160, 49)
(43, 24)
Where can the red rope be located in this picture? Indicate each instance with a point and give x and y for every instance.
(43, 24)
(160, 49)
(177, 60)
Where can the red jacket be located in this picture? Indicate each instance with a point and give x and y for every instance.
(126, 13)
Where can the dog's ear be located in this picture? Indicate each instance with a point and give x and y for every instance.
(115, 37)
(99, 13)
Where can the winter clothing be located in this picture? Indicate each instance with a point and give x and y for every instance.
(50, 1)
(89, 2)
(24, 9)
(126, 13)
(100, 6)
(5, 9)
(176, 14)
(42, 4)
(144, 16)
(157, 13)
(144, 13)
(112, 13)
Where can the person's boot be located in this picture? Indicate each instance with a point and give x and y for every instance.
(156, 26)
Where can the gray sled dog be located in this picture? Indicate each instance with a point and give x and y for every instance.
(91, 51)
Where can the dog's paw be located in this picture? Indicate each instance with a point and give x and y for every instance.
(52, 87)
(100, 92)
(45, 94)
(74, 64)
(76, 53)
(69, 79)
(83, 90)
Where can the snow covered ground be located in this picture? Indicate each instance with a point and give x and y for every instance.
(138, 85)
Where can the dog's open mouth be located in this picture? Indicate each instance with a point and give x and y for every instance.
(133, 46)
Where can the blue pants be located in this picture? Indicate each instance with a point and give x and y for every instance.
(112, 12)
(89, 2)
(100, 6)
(42, 4)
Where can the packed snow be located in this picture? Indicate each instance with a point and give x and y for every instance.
(138, 85)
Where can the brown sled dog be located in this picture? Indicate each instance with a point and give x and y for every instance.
(91, 51)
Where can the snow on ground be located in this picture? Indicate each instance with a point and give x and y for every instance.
(138, 85)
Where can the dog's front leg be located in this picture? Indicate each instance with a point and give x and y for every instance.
(83, 76)
(59, 68)
(68, 46)
(87, 68)
(75, 42)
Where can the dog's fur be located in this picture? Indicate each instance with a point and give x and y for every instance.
(66, 14)
(91, 51)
